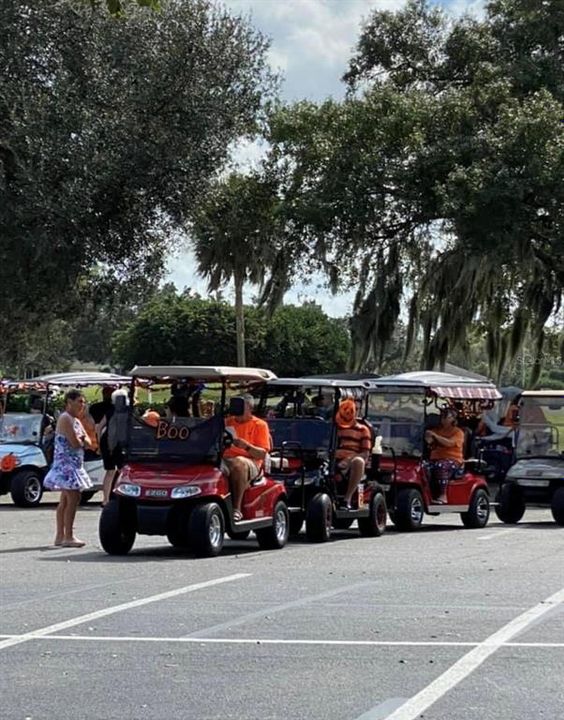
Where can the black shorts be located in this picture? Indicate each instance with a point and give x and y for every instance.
(112, 459)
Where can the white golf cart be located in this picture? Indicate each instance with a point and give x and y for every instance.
(25, 454)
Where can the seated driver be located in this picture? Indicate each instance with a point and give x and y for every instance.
(447, 451)
(353, 448)
(243, 460)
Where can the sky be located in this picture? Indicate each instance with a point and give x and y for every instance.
(311, 43)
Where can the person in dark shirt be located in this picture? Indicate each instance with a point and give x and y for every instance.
(101, 413)
(101, 409)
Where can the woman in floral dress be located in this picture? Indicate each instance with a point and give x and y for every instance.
(67, 473)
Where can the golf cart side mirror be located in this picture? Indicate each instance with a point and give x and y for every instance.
(236, 407)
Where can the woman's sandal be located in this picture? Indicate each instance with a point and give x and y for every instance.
(237, 515)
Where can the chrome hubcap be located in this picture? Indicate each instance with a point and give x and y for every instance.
(280, 525)
(416, 510)
(32, 490)
(215, 529)
(482, 508)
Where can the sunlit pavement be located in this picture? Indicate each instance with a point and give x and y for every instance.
(444, 623)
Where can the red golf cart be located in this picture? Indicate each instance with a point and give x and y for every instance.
(172, 483)
(401, 408)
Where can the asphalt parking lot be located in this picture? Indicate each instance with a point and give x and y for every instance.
(442, 624)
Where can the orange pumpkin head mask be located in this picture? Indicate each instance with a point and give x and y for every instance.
(346, 414)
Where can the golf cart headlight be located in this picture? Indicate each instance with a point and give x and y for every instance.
(184, 491)
(129, 489)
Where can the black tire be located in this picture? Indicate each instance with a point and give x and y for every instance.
(206, 529)
(296, 522)
(86, 496)
(116, 529)
(319, 518)
(375, 524)
(342, 523)
(409, 510)
(478, 512)
(243, 535)
(510, 506)
(26, 488)
(557, 506)
(275, 536)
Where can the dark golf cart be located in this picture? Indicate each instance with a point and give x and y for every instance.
(300, 413)
(537, 477)
(401, 407)
(25, 447)
(172, 483)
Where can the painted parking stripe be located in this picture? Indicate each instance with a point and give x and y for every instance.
(89, 617)
(497, 534)
(419, 703)
(276, 641)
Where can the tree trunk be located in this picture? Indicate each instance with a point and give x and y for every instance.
(240, 321)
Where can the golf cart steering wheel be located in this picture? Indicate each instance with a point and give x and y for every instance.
(227, 439)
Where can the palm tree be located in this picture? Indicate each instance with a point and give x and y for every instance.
(232, 236)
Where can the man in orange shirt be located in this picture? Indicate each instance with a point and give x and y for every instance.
(447, 448)
(244, 459)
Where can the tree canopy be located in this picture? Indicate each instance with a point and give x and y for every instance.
(438, 180)
(185, 330)
(110, 131)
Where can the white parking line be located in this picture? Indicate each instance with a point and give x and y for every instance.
(276, 641)
(281, 607)
(419, 703)
(50, 629)
(497, 534)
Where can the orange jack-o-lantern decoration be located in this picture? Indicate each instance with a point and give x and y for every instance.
(151, 417)
(346, 414)
(8, 462)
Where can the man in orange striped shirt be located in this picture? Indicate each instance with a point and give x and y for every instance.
(353, 447)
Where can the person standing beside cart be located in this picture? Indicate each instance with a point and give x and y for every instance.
(111, 456)
(67, 474)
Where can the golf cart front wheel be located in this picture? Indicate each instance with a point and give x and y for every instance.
(375, 524)
(26, 488)
(206, 528)
(319, 518)
(510, 506)
(409, 510)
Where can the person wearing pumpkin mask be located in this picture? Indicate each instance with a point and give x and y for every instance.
(353, 448)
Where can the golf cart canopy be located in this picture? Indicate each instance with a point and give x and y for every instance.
(81, 379)
(543, 394)
(438, 384)
(313, 382)
(164, 373)
(339, 388)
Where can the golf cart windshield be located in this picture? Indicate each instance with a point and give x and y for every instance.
(20, 428)
(541, 426)
(400, 420)
(189, 440)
